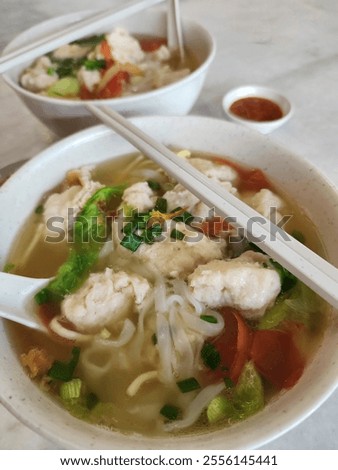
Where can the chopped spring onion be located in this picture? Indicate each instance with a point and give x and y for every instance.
(131, 241)
(138, 230)
(219, 408)
(91, 400)
(228, 382)
(154, 185)
(170, 412)
(70, 390)
(176, 234)
(185, 216)
(67, 67)
(150, 234)
(209, 318)
(161, 205)
(188, 385)
(94, 64)
(210, 356)
(64, 370)
(128, 228)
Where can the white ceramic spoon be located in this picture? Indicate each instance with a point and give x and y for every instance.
(17, 299)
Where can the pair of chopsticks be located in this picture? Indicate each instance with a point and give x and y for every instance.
(88, 25)
(314, 271)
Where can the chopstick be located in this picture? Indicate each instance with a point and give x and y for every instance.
(75, 31)
(314, 271)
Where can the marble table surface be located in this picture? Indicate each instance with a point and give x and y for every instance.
(291, 46)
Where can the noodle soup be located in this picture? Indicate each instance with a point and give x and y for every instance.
(105, 66)
(163, 319)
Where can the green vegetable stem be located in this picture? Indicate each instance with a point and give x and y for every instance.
(89, 235)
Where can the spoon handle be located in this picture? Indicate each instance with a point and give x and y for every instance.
(174, 28)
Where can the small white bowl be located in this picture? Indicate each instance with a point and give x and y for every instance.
(64, 116)
(253, 91)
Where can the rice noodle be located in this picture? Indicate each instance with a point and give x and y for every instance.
(72, 335)
(141, 168)
(164, 348)
(127, 170)
(184, 364)
(160, 296)
(201, 326)
(181, 288)
(144, 309)
(125, 336)
(195, 408)
(180, 330)
(175, 298)
(140, 380)
(148, 173)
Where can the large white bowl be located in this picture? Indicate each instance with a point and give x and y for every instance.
(67, 116)
(20, 195)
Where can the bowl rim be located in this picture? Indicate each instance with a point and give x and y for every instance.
(111, 101)
(97, 132)
(259, 91)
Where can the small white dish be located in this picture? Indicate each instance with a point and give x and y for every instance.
(253, 91)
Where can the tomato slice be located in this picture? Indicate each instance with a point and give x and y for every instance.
(114, 87)
(251, 179)
(85, 94)
(254, 180)
(277, 358)
(152, 44)
(233, 345)
(105, 50)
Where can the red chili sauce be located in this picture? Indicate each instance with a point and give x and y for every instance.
(256, 109)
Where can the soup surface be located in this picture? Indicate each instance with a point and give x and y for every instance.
(162, 317)
(106, 66)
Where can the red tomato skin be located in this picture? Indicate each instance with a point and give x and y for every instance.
(251, 179)
(277, 357)
(233, 345)
(114, 87)
(214, 227)
(152, 44)
(105, 50)
(85, 94)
